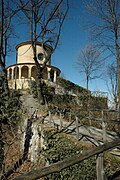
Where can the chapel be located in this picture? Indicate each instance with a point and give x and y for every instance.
(23, 72)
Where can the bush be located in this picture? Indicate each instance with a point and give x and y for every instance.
(68, 86)
(9, 106)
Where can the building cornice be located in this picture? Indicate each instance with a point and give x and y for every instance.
(30, 42)
(25, 64)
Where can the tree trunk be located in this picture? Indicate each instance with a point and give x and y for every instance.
(87, 81)
(87, 100)
(40, 88)
(6, 87)
(5, 81)
(39, 82)
(118, 72)
(3, 46)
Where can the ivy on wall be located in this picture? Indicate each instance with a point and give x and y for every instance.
(68, 85)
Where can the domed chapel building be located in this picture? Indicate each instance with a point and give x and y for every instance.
(23, 72)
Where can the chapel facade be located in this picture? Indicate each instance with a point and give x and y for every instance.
(23, 72)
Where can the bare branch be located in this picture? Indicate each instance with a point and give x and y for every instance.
(89, 62)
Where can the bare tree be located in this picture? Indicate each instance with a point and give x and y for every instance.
(3, 42)
(7, 12)
(106, 28)
(89, 63)
(46, 19)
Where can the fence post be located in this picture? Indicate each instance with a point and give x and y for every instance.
(70, 117)
(90, 118)
(31, 110)
(61, 121)
(50, 117)
(100, 158)
(99, 167)
(104, 127)
(77, 127)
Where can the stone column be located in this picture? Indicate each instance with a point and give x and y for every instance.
(29, 72)
(48, 70)
(55, 76)
(19, 72)
(8, 74)
(12, 74)
(15, 72)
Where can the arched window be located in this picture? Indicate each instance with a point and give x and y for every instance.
(52, 75)
(24, 72)
(33, 72)
(10, 73)
(16, 73)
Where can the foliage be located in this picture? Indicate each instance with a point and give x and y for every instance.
(69, 86)
(1, 153)
(34, 89)
(9, 115)
(9, 106)
(70, 105)
(60, 147)
(47, 91)
(64, 100)
(112, 164)
(98, 102)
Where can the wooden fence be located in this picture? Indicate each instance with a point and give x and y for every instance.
(104, 127)
(93, 127)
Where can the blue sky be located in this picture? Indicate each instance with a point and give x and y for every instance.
(74, 37)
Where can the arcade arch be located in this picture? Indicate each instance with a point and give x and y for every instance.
(24, 72)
